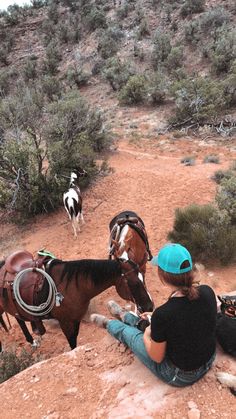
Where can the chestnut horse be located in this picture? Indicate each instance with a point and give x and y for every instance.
(75, 284)
(128, 239)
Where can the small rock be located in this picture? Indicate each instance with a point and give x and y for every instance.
(72, 390)
(210, 274)
(199, 267)
(88, 349)
(194, 414)
(192, 405)
(90, 363)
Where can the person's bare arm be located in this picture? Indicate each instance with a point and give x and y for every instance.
(156, 350)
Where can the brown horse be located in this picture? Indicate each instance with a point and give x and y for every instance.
(128, 239)
(76, 283)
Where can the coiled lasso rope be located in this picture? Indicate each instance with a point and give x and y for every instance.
(54, 297)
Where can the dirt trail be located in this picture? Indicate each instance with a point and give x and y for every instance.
(100, 379)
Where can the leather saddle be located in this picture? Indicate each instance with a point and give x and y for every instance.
(134, 221)
(31, 283)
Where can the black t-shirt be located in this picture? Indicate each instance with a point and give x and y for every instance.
(188, 327)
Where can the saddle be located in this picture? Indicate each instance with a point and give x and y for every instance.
(30, 285)
(131, 219)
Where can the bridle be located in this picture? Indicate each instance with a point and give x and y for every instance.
(125, 274)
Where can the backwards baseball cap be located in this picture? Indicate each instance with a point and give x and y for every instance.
(171, 257)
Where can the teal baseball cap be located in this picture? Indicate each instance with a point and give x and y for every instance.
(171, 257)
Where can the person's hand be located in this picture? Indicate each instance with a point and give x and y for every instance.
(146, 315)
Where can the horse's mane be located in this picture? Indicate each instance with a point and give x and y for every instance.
(96, 270)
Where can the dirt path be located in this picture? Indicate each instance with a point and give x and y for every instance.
(100, 379)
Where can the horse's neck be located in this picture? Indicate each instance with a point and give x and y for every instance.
(87, 289)
(98, 289)
(75, 187)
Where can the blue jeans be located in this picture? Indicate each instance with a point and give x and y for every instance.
(127, 333)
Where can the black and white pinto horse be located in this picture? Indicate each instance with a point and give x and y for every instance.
(72, 199)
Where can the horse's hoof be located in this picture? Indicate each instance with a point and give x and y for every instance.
(36, 343)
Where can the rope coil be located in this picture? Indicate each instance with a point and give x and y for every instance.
(43, 309)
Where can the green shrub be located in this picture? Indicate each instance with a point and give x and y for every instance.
(4, 82)
(38, 4)
(220, 175)
(98, 67)
(157, 88)
(206, 232)
(12, 363)
(226, 197)
(51, 87)
(122, 11)
(4, 55)
(192, 6)
(13, 15)
(175, 58)
(211, 159)
(30, 68)
(73, 122)
(192, 31)
(188, 161)
(197, 99)
(117, 73)
(96, 19)
(53, 57)
(135, 90)
(143, 29)
(223, 51)
(52, 12)
(214, 18)
(138, 52)
(107, 46)
(48, 29)
(68, 29)
(76, 75)
(161, 48)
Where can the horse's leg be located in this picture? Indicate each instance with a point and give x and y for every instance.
(71, 331)
(24, 329)
(74, 223)
(38, 327)
(3, 324)
(82, 218)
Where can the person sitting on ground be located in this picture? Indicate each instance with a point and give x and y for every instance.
(179, 345)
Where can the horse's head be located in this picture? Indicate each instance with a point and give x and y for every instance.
(228, 305)
(79, 172)
(127, 241)
(131, 286)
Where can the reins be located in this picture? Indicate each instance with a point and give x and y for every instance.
(125, 274)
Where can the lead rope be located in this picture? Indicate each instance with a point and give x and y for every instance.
(54, 297)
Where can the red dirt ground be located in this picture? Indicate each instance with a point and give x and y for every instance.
(100, 379)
